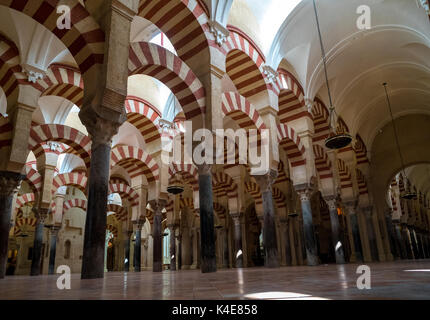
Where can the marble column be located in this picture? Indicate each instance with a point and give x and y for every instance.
(395, 250)
(352, 213)
(335, 229)
(101, 133)
(225, 248)
(285, 238)
(9, 183)
(138, 247)
(36, 261)
(179, 255)
(157, 235)
(207, 230)
(53, 235)
(305, 194)
(127, 250)
(269, 227)
(238, 254)
(172, 247)
(414, 242)
(371, 234)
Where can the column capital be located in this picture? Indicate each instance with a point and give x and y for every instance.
(10, 182)
(158, 205)
(266, 181)
(204, 169)
(100, 130)
(236, 217)
(140, 223)
(53, 230)
(41, 214)
(305, 191)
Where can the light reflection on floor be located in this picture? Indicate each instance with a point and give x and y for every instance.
(393, 280)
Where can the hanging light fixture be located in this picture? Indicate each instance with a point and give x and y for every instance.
(408, 195)
(335, 140)
(176, 187)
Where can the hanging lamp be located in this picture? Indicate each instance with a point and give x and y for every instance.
(176, 187)
(408, 195)
(335, 140)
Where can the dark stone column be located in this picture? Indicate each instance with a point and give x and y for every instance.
(127, 251)
(414, 243)
(335, 229)
(36, 261)
(353, 218)
(138, 247)
(207, 231)
(269, 226)
(395, 250)
(225, 247)
(286, 236)
(9, 183)
(157, 206)
(53, 234)
(399, 239)
(101, 132)
(371, 233)
(310, 242)
(172, 250)
(406, 241)
(179, 255)
(238, 254)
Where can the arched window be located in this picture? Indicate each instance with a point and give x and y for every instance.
(67, 248)
(166, 247)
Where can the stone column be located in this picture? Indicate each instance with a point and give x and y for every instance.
(195, 244)
(179, 255)
(101, 133)
(238, 253)
(335, 229)
(41, 215)
(172, 247)
(207, 231)
(285, 238)
(225, 248)
(157, 206)
(371, 233)
(414, 242)
(269, 227)
(9, 183)
(305, 193)
(127, 250)
(399, 240)
(352, 213)
(138, 246)
(53, 235)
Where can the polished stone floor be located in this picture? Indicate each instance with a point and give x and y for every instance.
(395, 280)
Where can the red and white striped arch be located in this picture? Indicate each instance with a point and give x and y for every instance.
(220, 210)
(320, 115)
(292, 104)
(125, 192)
(188, 172)
(241, 111)
(360, 151)
(279, 198)
(73, 179)
(85, 39)
(24, 199)
(282, 176)
(6, 130)
(185, 23)
(34, 179)
(31, 222)
(155, 61)
(44, 148)
(186, 203)
(75, 139)
(361, 181)
(136, 162)
(254, 191)
(344, 174)
(322, 163)
(292, 145)
(141, 115)
(223, 185)
(10, 70)
(75, 203)
(121, 213)
(62, 81)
